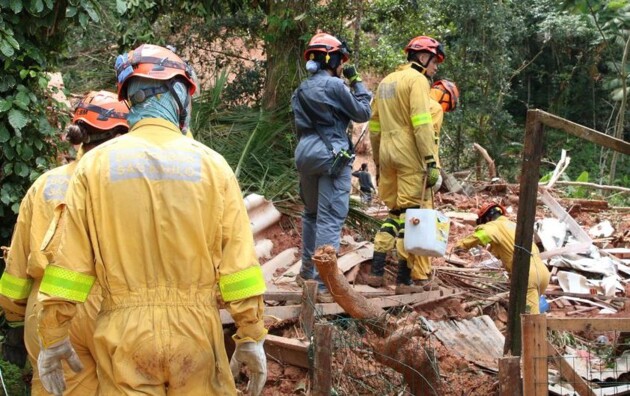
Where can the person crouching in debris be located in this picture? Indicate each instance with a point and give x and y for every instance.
(365, 183)
(496, 230)
(159, 220)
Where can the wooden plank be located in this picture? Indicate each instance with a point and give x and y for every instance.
(562, 215)
(322, 362)
(589, 324)
(597, 297)
(293, 311)
(535, 381)
(532, 153)
(510, 376)
(567, 372)
(283, 259)
(309, 299)
(287, 350)
(583, 132)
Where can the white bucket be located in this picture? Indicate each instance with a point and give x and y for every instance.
(426, 232)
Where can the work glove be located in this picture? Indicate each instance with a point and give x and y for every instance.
(350, 72)
(50, 368)
(13, 348)
(252, 354)
(434, 178)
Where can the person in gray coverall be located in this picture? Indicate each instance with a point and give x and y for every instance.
(323, 107)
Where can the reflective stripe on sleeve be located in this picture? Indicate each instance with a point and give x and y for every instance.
(61, 282)
(243, 284)
(420, 119)
(15, 288)
(375, 127)
(483, 236)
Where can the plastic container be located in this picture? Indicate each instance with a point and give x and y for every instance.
(543, 304)
(426, 232)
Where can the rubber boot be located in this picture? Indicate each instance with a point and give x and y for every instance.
(375, 279)
(404, 284)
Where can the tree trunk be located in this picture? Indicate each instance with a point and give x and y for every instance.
(284, 51)
(392, 342)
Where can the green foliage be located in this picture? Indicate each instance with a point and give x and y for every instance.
(13, 377)
(31, 42)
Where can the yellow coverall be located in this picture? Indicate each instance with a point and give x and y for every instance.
(22, 276)
(500, 234)
(404, 141)
(159, 220)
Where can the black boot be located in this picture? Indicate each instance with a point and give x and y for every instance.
(404, 284)
(375, 279)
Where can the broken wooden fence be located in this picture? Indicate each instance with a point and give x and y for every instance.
(538, 352)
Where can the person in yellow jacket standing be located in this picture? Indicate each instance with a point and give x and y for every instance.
(158, 219)
(404, 147)
(444, 97)
(497, 231)
(98, 117)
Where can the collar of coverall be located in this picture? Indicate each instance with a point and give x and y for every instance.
(160, 122)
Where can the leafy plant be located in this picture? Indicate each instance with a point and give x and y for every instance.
(31, 41)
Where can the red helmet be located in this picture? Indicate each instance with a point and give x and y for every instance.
(487, 209)
(426, 44)
(101, 110)
(151, 61)
(445, 92)
(326, 43)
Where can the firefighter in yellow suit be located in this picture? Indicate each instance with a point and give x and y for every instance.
(497, 231)
(444, 97)
(158, 219)
(404, 147)
(98, 117)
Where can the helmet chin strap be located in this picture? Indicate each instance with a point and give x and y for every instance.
(183, 108)
(419, 66)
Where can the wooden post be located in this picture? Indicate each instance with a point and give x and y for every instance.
(510, 376)
(322, 362)
(524, 230)
(307, 314)
(535, 355)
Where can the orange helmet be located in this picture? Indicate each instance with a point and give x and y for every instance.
(326, 43)
(489, 209)
(445, 92)
(151, 61)
(426, 44)
(101, 110)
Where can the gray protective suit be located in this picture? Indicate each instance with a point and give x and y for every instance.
(326, 199)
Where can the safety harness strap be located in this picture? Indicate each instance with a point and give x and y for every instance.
(14, 287)
(242, 284)
(64, 283)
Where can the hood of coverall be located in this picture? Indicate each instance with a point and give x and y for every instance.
(157, 106)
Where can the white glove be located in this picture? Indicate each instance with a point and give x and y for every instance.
(50, 368)
(438, 184)
(253, 355)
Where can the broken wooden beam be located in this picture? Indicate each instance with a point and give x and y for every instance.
(322, 361)
(568, 373)
(588, 324)
(287, 350)
(293, 311)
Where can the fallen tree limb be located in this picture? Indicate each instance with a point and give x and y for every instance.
(593, 185)
(492, 170)
(392, 347)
